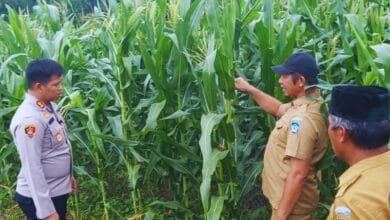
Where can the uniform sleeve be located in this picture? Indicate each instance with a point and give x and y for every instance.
(343, 209)
(356, 206)
(301, 138)
(28, 138)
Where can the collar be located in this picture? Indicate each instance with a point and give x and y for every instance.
(357, 169)
(308, 98)
(36, 102)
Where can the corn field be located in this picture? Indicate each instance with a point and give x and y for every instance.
(157, 128)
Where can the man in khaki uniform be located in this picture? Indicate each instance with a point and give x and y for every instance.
(297, 142)
(359, 129)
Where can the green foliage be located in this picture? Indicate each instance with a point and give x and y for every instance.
(85, 6)
(157, 128)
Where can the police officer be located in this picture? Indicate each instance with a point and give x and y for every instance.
(298, 140)
(41, 138)
(359, 130)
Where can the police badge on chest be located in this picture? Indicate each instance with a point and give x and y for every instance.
(59, 137)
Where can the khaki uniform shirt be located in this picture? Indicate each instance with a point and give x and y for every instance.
(364, 191)
(300, 133)
(41, 139)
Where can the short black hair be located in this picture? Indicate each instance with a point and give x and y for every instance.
(364, 134)
(41, 70)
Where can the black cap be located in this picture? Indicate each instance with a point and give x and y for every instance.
(360, 103)
(302, 63)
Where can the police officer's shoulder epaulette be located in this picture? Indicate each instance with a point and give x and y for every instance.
(302, 108)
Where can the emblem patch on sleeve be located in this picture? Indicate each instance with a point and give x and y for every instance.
(295, 125)
(30, 130)
(342, 212)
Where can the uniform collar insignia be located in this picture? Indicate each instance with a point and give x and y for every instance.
(40, 104)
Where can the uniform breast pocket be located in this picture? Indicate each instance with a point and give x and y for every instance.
(281, 130)
(57, 135)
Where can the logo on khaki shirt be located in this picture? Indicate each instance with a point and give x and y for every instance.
(342, 212)
(295, 125)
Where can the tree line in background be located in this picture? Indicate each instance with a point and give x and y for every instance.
(77, 6)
